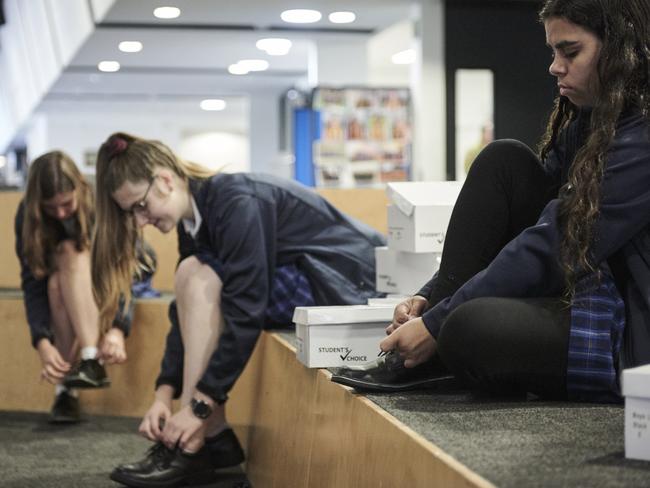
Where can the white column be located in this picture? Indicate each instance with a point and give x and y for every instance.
(342, 61)
(264, 130)
(429, 97)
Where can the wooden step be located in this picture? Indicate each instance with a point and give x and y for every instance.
(298, 428)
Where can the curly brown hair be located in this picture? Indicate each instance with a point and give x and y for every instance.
(623, 72)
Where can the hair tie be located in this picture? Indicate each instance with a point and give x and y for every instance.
(116, 146)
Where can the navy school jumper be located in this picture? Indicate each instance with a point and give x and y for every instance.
(35, 297)
(528, 266)
(252, 224)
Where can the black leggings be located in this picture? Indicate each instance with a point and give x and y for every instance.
(503, 345)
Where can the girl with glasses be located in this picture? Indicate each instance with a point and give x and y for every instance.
(252, 248)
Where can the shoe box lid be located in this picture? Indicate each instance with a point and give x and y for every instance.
(636, 382)
(344, 314)
(406, 196)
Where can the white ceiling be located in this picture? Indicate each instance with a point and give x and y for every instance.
(189, 56)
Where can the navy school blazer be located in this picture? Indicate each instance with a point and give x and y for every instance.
(251, 224)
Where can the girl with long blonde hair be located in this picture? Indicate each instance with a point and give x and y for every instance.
(252, 247)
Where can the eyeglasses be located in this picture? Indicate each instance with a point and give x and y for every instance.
(141, 206)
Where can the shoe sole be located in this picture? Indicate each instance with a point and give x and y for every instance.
(202, 478)
(442, 381)
(63, 420)
(86, 383)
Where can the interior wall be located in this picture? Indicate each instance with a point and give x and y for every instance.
(506, 37)
(79, 128)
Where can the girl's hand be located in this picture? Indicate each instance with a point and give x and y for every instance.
(412, 341)
(154, 420)
(112, 349)
(54, 367)
(407, 310)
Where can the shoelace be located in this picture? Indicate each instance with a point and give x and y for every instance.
(160, 455)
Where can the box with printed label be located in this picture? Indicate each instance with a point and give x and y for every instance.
(419, 213)
(636, 389)
(340, 335)
(403, 272)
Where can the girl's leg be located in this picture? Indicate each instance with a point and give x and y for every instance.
(509, 345)
(66, 405)
(505, 191)
(198, 300)
(74, 283)
(64, 336)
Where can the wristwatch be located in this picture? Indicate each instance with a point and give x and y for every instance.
(200, 408)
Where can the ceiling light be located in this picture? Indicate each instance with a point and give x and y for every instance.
(236, 69)
(404, 57)
(342, 17)
(301, 16)
(130, 46)
(167, 12)
(274, 46)
(108, 66)
(213, 104)
(254, 64)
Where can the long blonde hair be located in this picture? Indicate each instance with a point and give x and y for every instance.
(123, 158)
(51, 174)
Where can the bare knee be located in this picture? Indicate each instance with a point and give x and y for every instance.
(68, 257)
(196, 279)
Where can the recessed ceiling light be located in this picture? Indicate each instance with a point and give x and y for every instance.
(130, 46)
(254, 64)
(213, 104)
(403, 57)
(167, 12)
(236, 69)
(342, 17)
(301, 16)
(274, 46)
(108, 66)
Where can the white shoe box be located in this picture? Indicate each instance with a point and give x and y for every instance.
(390, 299)
(419, 214)
(340, 335)
(636, 389)
(401, 272)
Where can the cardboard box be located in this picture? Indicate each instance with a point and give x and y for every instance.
(340, 335)
(401, 272)
(419, 214)
(636, 389)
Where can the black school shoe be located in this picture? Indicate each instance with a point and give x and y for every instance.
(388, 374)
(225, 449)
(159, 469)
(164, 467)
(65, 409)
(88, 373)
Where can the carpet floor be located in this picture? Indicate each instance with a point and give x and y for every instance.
(35, 454)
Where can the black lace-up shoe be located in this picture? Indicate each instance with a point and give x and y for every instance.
(225, 450)
(388, 373)
(156, 454)
(65, 409)
(88, 373)
(164, 467)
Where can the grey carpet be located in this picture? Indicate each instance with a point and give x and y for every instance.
(35, 454)
(525, 443)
